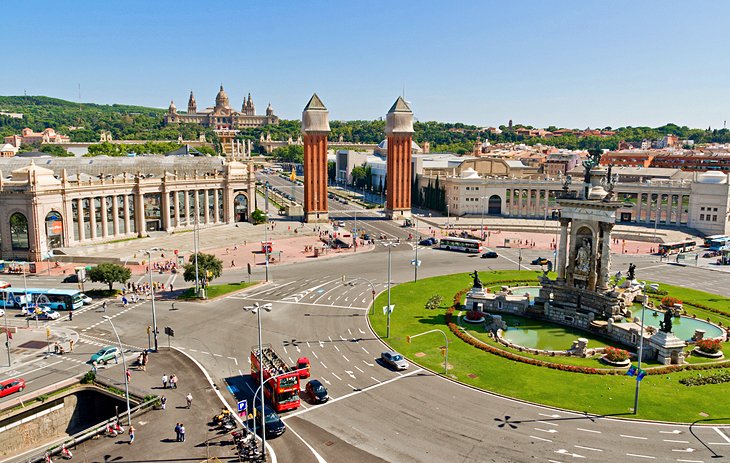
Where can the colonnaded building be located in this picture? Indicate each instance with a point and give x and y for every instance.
(51, 203)
(221, 116)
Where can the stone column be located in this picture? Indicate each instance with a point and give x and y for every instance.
(176, 205)
(80, 211)
(165, 206)
(139, 221)
(206, 206)
(197, 207)
(669, 209)
(103, 206)
(127, 224)
(639, 200)
(115, 215)
(92, 217)
(563, 248)
(187, 208)
(216, 212)
(605, 268)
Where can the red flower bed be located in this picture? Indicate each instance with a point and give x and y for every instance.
(616, 355)
(710, 346)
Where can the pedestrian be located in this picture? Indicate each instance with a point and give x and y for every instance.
(70, 345)
(70, 315)
(129, 375)
(182, 432)
(163, 402)
(171, 287)
(164, 381)
(233, 263)
(131, 434)
(173, 382)
(103, 306)
(177, 432)
(189, 399)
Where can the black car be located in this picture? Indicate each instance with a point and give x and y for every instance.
(274, 426)
(539, 261)
(71, 279)
(490, 255)
(428, 241)
(317, 391)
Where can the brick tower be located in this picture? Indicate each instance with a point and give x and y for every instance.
(315, 127)
(399, 130)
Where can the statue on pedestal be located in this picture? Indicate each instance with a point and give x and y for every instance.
(477, 281)
(666, 324)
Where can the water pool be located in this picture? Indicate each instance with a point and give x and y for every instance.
(682, 327)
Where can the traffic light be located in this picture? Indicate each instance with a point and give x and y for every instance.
(149, 329)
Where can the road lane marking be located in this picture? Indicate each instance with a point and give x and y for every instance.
(687, 450)
(550, 431)
(690, 461)
(365, 350)
(343, 356)
(541, 438)
(640, 456)
(323, 364)
(369, 364)
(633, 437)
(338, 378)
(234, 359)
(676, 441)
(547, 423)
(315, 355)
(589, 430)
(217, 355)
(337, 348)
(722, 434)
(587, 448)
(358, 369)
(549, 416)
(375, 379)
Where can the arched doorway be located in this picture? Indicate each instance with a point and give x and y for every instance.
(495, 205)
(241, 208)
(19, 232)
(54, 230)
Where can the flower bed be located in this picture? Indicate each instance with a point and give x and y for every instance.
(709, 348)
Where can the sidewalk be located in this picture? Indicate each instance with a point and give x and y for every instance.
(30, 345)
(155, 430)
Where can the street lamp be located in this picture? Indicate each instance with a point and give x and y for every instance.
(446, 344)
(7, 337)
(483, 208)
(416, 263)
(124, 364)
(266, 229)
(256, 308)
(519, 260)
(388, 245)
(152, 290)
(641, 351)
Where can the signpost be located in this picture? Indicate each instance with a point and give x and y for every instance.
(242, 408)
(170, 334)
(388, 309)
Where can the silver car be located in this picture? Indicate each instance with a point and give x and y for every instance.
(394, 359)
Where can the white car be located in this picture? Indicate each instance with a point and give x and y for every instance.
(86, 299)
(341, 224)
(2, 312)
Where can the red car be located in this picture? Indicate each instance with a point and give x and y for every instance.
(10, 386)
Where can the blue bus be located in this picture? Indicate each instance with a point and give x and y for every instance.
(709, 239)
(717, 244)
(55, 299)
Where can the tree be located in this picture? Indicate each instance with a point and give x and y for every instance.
(109, 273)
(258, 216)
(291, 153)
(358, 175)
(209, 268)
(332, 171)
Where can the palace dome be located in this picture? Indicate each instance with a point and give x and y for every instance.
(221, 99)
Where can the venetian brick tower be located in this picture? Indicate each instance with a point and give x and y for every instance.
(315, 127)
(399, 130)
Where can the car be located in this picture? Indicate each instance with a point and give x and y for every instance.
(86, 299)
(4, 284)
(341, 223)
(539, 261)
(317, 391)
(105, 354)
(43, 313)
(274, 426)
(2, 312)
(344, 201)
(304, 367)
(10, 386)
(71, 279)
(394, 359)
(426, 242)
(490, 255)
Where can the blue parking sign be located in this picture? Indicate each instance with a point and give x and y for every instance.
(242, 406)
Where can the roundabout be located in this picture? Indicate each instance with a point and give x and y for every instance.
(583, 384)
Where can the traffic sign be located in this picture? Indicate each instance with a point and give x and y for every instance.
(388, 309)
(243, 407)
(415, 262)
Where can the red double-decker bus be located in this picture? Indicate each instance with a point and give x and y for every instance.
(283, 390)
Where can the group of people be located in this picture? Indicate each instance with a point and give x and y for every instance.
(165, 266)
(171, 381)
(142, 360)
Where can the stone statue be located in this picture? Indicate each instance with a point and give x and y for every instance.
(631, 273)
(666, 325)
(583, 257)
(594, 158)
(477, 281)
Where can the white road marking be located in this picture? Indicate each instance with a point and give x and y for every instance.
(358, 369)
(540, 438)
(676, 441)
(338, 378)
(351, 386)
(640, 456)
(375, 379)
(308, 346)
(361, 331)
(349, 330)
(550, 431)
(549, 416)
(633, 437)
(323, 364)
(369, 364)
(217, 355)
(675, 431)
(722, 434)
(315, 355)
(687, 450)
(204, 352)
(547, 423)
(285, 351)
(346, 359)
(337, 348)
(234, 359)
(240, 372)
(566, 452)
(365, 350)
(690, 461)
(589, 430)
(587, 448)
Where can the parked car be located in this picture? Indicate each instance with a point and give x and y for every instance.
(394, 359)
(43, 313)
(105, 354)
(490, 255)
(10, 386)
(317, 391)
(274, 426)
(2, 312)
(540, 261)
(86, 299)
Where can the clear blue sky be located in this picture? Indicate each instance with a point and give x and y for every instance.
(568, 63)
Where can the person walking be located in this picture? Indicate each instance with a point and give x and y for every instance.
(177, 432)
(189, 399)
(129, 375)
(182, 432)
(103, 306)
(163, 402)
(164, 381)
(131, 434)
(173, 382)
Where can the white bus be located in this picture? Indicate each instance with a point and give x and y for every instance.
(451, 243)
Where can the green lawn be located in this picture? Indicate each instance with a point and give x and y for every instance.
(662, 397)
(213, 291)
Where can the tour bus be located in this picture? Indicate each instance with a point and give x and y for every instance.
(56, 299)
(711, 238)
(673, 248)
(719, 243)
(451, 243)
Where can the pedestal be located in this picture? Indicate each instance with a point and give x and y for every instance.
(669, 348)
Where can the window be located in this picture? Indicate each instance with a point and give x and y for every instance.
(702, 216)
(702, 208)
(714, 209)
(714, 218)
(19, 231)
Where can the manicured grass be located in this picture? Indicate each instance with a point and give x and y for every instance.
(662, 397)
(216, 290)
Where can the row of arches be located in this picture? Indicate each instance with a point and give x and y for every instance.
(20, 236)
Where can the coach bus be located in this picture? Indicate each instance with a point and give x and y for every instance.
(451, 243)
(719, 243)
(711, 238)
(56, 299)
(674, 248)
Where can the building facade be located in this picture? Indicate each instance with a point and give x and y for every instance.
(221, 116)
(43, 210)
(28, 137)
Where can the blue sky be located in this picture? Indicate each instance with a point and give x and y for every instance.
(568, 63)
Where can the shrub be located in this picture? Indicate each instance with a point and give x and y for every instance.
(669, 301)
(473, 315)
(702, 380)
(709, 346)
(434, 302)
(615, 354)
(88, 378)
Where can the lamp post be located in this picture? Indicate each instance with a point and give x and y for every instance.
(256, 308)
(448, 217)
(641, 351)
(388, 245)
(446, 344)
(195, 256)
(7, 337)
(124, 364)
(266, 230)
(152, 291)
(482, 225)
(519, 260)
